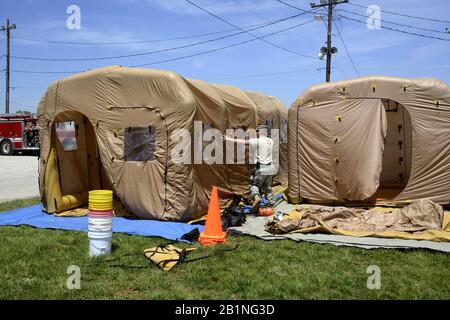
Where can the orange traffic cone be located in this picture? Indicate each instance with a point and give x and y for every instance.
(213, 232)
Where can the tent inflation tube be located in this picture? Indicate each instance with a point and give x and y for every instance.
(57, 202)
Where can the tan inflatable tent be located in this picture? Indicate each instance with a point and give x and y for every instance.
(120, 128)
(375, 139)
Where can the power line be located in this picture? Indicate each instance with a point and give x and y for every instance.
(360, 67)
(295, 7)
(330, 4)
(403, 15)
(267, 74)
(47, 72)
(158, 51)
(22, 105)
(346, 49)
(329, 49)
(318, 70)
(337, 61)
(384, 27)
(397, 30)
(395, 23)
(176, 58)
(339, 67)
(225, 47)
(27, 87)
(294, 71)
(256, 14)
(253, 35)
(137, 41)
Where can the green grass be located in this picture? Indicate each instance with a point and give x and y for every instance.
(6, 206)
(33, 265)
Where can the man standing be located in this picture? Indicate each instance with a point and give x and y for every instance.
(261, 152)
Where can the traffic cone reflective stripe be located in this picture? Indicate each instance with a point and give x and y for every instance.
(213, 232)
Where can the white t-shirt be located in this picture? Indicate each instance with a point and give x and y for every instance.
(261, 147)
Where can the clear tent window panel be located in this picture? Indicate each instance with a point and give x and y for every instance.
(66, 132)
(139, 144)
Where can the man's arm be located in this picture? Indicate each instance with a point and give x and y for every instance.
(243, 141)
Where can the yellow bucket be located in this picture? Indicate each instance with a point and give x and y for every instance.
(101, 199)
(101, 207)
(101, 194)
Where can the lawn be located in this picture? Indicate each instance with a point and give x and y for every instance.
(34, 262)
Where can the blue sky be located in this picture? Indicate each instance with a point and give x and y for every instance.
(255, 65)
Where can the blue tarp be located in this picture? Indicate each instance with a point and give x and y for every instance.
(34, 216)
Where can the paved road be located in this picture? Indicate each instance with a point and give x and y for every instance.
(18, 177)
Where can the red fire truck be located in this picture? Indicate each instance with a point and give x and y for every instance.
(18, 132)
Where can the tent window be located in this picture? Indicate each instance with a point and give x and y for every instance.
(139, 144)
(66, 132)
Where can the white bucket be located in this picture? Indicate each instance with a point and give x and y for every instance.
(100, 235)
(100, 224)
(99, 243)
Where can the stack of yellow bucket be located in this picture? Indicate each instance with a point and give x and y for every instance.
(101, 200)
(100, 222)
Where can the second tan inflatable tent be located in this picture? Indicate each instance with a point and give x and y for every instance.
(377, 139)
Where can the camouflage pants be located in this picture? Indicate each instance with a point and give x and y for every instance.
(261, 184)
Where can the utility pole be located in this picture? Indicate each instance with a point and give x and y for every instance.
(7, 29)
(329, 4)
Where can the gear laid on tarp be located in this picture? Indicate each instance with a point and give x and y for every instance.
(279, 195)
(233, 216)
(421, 220)
(267, 208)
